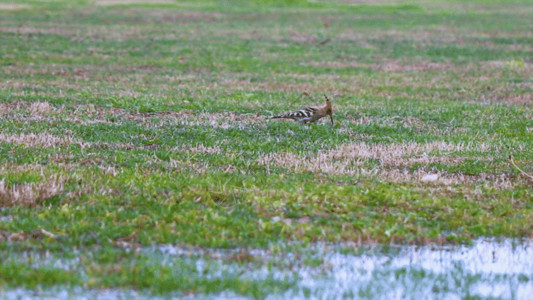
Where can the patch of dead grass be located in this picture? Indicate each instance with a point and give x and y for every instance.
(405, 81)
(23, 235)
(91, 114)
(64, 76)
(39, 108)
(22, 111)
(39, 140)
(441, 34)
(348, 158)
(222, 120)
(47, 69)
(30, 194)
(313, 164)
(486, 180)
(502, 96)
(38, 30)
(181, 16)
(200, 168)
(228, 119)
(397, 66)
(394, 161)
(278, 35)
(521, 99)
(326, 86)
(370, 2)
(390, 65)
(11, 6)
(19, 85)
(125, 2)
(514, 9)
(7, 108)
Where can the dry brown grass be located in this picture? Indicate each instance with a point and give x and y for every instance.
(39, 108)
(97, 114)
(413, 123)
(503, 96)
(23, 111)
(30, 194)
(123, 2)
(441, 34)
(517, 9)
(38, 30)
(397, 66)
(188, 118)
(10, 6)
(522, 99)
(393, 160)
(324, 85)
(400, 74)
(181, 16)
(368, 1)
(19, 85)
(348, 158)
(199, 168)
(81, 71)
(278, 34)
(485, 180)
(90, 114)
(403, 80)
(7, 108)
(39, 140)
(390, 65)
(50, 69)
(22, 235)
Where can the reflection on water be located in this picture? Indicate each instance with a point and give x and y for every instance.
(501, 269)
(487, 269)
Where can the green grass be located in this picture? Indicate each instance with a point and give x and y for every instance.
(153, 124)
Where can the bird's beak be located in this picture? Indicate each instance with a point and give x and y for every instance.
(331, 117)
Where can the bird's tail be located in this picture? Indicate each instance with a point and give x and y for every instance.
(279, 116)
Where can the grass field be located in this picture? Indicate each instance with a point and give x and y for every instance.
(129, 124)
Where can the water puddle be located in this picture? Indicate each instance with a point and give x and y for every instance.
(6, 219)
(488, 269)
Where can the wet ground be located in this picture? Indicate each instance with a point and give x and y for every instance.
(487, 269)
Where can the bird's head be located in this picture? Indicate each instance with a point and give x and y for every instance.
(329, 109)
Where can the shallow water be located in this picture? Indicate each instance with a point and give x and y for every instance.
(487, 269)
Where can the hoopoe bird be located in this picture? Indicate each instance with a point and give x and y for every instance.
(310, 114)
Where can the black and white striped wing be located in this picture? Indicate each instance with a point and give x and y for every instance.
(305, 113)
(302, 116)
